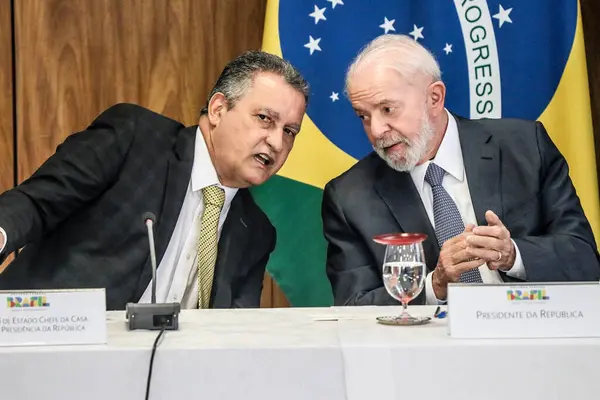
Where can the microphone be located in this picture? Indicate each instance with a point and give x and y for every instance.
(149, 220)
(152, 316)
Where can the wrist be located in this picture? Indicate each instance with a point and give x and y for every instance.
(512, 256)
(440, 289)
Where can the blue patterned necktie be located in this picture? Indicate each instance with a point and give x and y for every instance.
(448, 222)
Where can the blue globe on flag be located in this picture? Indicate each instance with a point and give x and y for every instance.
(495, 60)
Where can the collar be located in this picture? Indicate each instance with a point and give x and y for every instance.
(449, 156)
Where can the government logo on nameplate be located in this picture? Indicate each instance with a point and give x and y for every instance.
(52, 317)
(528, 310)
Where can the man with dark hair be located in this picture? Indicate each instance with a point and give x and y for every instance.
(79, 216)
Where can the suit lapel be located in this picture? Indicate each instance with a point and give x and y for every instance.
(179, 170)
(178, 179)
(232, 246)
(481, 157)
(398, 192)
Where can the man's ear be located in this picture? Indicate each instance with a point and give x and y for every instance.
(217, 106)
(437, 97)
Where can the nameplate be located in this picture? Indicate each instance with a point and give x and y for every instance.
(556, 310)
(53, 317)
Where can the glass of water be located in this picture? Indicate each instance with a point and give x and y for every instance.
(403, 273)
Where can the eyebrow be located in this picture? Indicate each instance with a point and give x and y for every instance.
(383, 102)
(272, 113)
(275, 116)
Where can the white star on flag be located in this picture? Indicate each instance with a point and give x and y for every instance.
(503, 16)
(313, 44)
(388, 25)
(335, 3)
(448, 48)
(318, 14)
(334, 96)
(417, 33)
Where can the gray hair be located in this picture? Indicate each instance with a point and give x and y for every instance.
(238, 75)
(399, 52)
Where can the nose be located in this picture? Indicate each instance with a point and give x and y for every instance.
(275, 140)
(378, 126)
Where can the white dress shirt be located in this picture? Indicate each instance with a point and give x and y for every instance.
(449, 157)
(176, 277)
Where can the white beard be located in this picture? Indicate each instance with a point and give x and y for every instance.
(414, 152)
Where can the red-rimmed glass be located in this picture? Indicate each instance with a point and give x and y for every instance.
(404, 272)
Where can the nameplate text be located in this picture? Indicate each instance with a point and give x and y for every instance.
(58, 317)
(524, 310)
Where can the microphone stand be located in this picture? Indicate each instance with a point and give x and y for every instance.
(152, 316)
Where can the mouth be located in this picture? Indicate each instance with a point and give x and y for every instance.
(392, 143)
(264, 159)
(395, 146)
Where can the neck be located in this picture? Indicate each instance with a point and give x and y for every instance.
(207, 130)
(439, 125)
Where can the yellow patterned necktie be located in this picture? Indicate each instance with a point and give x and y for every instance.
(206, 256)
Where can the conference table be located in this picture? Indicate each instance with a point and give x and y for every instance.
(303, 354)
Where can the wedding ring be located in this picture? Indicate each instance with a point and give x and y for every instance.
(499, 256)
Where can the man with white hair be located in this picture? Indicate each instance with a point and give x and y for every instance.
(493, 196)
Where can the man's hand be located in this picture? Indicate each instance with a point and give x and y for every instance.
(453, 261)
(492, 244)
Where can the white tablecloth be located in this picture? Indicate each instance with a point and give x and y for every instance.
(303, 354)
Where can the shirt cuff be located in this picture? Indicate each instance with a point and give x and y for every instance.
(518, 269)
(430, 294)
(3, 233)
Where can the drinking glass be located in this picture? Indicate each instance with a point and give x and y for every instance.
(404, 272)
